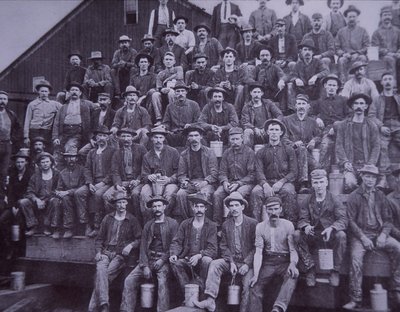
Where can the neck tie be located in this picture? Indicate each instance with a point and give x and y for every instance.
(225, 9)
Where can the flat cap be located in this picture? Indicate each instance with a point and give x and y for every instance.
(272, 201)
(235, 130)
(318, 174)
(303, 97)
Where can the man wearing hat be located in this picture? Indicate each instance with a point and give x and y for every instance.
(197, 171)
(359, 83)
(38, 147)
(370, 224)
(150, 49)
(194, 245)
(179, 114)
(236, 172)
(159, 167)
(221, 26)
(308, 71)
(357, 141)
(186, 38)
(208, 45)
(64, 200)
(304, 135)
(156, 238)
(170, 36)
(218, 116)
(351, 42)
(36, 203)
(263, 20)
(322, 224)
(335, 19)
(123, 62)
(40, 114)
(161, 18)
(275, 256)
(297, 23)
(276, 171)
(104, 114)
(231, 78)
(97, 77)
(237, 252)
(200, 79)
(284, 47)
(119, 236)
(248, 47)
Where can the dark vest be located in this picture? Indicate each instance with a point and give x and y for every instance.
(156, 19)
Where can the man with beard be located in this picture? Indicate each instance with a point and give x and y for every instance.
(197, 171)
(359, 83)
(144, 81)
(156, 238)
(322, 222)
(335, 19)
(303, 135)
(351, 42)
(263, 20)
(237, 252)
(297, 24)
(194, 245)
(161, 19)
(97, 182)
(275, 256)
(218, 116)
(231, 78)
(170, 46)
(236, 173)
(150, 49)
(40, 115)
(36, 204)
(97, 77)
(308, 71)
(276, 171)
(248, 48)
(160, 167)
(199, 80)
(64, 199)
(122, 64)
(370, 223)
(104, 115)
(119, 235)
(179, 115)
(207, 45)
(284, 47)
(38, 147)
(132, 116)
(186, 38)
(357, 141)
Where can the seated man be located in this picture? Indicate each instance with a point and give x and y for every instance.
(394, 199)
(186, 38)
(119, 234)
(194, 245)
(276, 171)
(159, 167)
(322, 222)
(254, 115)
(150, 49)
(370, 223)
(248, 48)
(197, 171)
(156, 238)
(170, 45)
(207, 45)
(36, 204)
(218, 116)
(236, 172)
(275, 256)
(237, 252)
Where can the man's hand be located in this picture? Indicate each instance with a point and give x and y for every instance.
(173, 258)
(134, 183)
(299, 82)
(348, 166)
(320, 123)
(92, 188)
(233, 268)
(40, 203)
(258, 132)
(126, 251)
(347, 55)
(226, 185)
(331, 131)
(165, 90)
(216, 129)
(114, 130)
(244, 269)
(327, 233)
(354, 56)
(381, 240)
(120, 188)
(98, 257)
(233, 187)
(158, 264)
(253, 281)
(309, 230)
(292, 270)
(317, 57)
(62, 194)
(184, 184)
(385, 131)
(281, 84)
(195, 259)
(56, 142)
(367, 243)
(298, 143)
(277, 186)
(268, 191)
(146, 272)
(194, 85)
(27, 141)
(200, 185)
(312, 80)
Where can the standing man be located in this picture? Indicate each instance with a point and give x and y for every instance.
(104, 115)
(275, 256)
(359, 83)
(284, 47)
(186, 38)
(160, 19)
(156, 239)
(297, 24)
(205, 44)
(396, 13)
(150, 49)
(170, 36)
(119, 234)
(335, 19)
(263, 20)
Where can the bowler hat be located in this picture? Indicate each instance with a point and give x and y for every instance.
(247, 27)
(235, 196)
(329, 3)
(255, 85)
(75, 84)
(126, 130)
(369, 169)
(358, 96)
(130, 89)
(309, 43)
(199, 55)
(170, 31)
(20, 154)
(155, 199)
(355, 66)
(102, 129)
(180, 85)
(148, 37)
(181, 17)
(146, 56)
(351, 8)
(124, 38)
(43, 155)
(228, 50)
(120, 196)
(272, 201)
(94, 55)
(331, 77)
(77, 53)
(198, 198)
(158, 130)
(216, 89)
(197, 27)
(289, 2)
(275, 121)
(43, 83)
(71, 152)
(193, 127)
(318, 174)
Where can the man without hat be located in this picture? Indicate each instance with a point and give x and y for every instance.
(237, 252)
(157, 236)
(263, 20)
(297, 23)
(322, 224)
(284, 47)
(335, 20)
(150, 49)
(161, 18)
(208, 45)
(185, 37)
(38, 147)
(181, 58)
(248, 47)
(236, 173)
(104, 114)
(275, 256)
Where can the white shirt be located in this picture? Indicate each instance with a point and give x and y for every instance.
(163, 18)
(186, 39)
(295, 17)
(228, 11)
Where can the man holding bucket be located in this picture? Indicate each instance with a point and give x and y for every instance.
(322, 222)
(157, 236)
(237, 251)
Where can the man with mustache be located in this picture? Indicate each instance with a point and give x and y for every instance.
(170, 46)
(205, 44)
(335, 19)
(218, 116)
(322, 224)
(248, 47)
(161, 18)
(156, 239)
(359, 83)
(275, 256)
(194, 245)
(297, 23)
(150, 49)
(303, 134)
(104, 114)
(160, 165)
(123, 62)
(197, 171)
(351, 42)
(237, 252)
(357, 141)
(263, 20)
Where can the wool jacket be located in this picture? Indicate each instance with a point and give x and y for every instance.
(105, 162)
(216, 17)
(290, 48)
(212, 50)
(208, 117)
(36, 182)
(108, 118)
(302, 26)
(248, 113)
(377, 109)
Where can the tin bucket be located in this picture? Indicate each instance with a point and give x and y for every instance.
(15, 233)
(257, 147)
(217, 146)
(147, 295)
(315, 154)
(373, 53)
(325, 258)
(336, 182)
(158, 188)
(17, 281)
(233, 295)
(191, 293)
(379, 300)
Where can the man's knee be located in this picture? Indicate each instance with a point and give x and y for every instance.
(206, 260)
(341, 236)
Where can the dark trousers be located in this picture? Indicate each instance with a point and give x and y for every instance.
(5, 154)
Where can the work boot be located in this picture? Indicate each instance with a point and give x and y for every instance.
(56, 234)
(33, 230)
(351, 305)
(310, 278)
(208, 304)
(334, 279)
(277, 309)
(104, 308)
(46, 231)
(93, 233)
(68, 234)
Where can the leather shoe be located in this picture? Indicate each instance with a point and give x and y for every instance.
(56, 234)
(32, 231)
(351, 305)
(208, 304)
(68, 234)
(334, 279)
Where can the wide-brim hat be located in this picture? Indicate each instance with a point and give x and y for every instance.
(170, 31)
(43, 155)
(289, 2)
(247, 27)
(179, 18)
(273, 121)
(351, 8)
(329, 3)
(120, 196)
(358, 96)
(265, 47)
(235, 196)
(148, 37)
(198, 198)
(96, 55)
(155, 199)
(126, 130)
(216, 89)
(197, 27)
(369, 169)
(124, 38)
(309, 43)
(331, 77)
(228, 50)
(20, 154)
(355, 66)
(146, 56)
(43, 83)
(77, 53)
(255, 85)
(191, 128)
(130, 89)
(102, 129)
(158, 130)
(75, 84)
(71, 152)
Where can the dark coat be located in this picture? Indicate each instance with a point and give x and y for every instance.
(377, 109)
(290, 48)
(36, 184)
(106, 164)
(108, 118)
(179, 52)
(216, 17)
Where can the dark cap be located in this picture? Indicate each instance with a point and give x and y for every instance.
(235, 130)
(272, 201)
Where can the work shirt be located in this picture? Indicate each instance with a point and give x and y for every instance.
(391, 111)
(156, 242)
(324, 42)
(202, 79)
(211, 48)
(349, 40)
(5, 126)
(194, 243)
(71, 179)
(238, 166)
(255, 117)
(195, 157)
(136, 119)
(305, 71)
(238, 246)
(74, 74)
(144, 83)
(128, 57)
(386, 39)
(263, 20)
(365, 86)
(226, 119)
(161, 80)
(101, 73)
(358, 148)
(73, 115)
(298, 27)
(334, 22)
(235, 77)
(268, 75)
(178, 114)
(301, 130)
(185, 39)
(330, 109)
